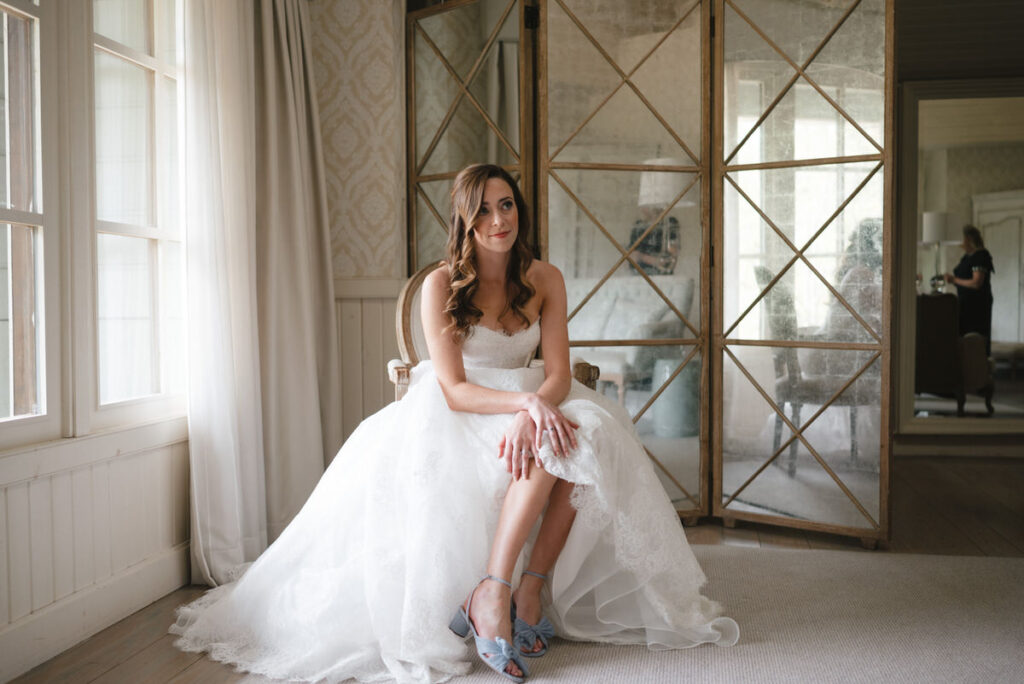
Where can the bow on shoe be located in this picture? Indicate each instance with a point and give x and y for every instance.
(498, 653)
(526, 635)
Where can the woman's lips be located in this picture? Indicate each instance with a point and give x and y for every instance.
(501, 235)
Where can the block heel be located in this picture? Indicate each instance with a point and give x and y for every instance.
(460, 624)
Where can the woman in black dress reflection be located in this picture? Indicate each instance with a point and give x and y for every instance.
(973, 280)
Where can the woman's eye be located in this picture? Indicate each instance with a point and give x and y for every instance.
(507, 206)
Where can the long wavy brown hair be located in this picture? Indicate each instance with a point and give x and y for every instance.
(466, 200)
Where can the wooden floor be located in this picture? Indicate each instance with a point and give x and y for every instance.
(941, 506)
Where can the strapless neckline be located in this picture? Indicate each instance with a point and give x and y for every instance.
(505, 333)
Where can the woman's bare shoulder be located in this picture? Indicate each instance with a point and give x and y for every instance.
(544, 276)
(437, 280)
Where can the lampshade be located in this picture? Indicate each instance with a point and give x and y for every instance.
(935, 226)
(659, 188)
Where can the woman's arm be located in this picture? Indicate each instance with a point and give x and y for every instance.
(554, 334)
(975, 282)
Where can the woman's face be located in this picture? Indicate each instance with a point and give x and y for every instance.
(497, 226)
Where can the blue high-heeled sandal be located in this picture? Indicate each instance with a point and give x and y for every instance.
(525, 635)
(496, 653)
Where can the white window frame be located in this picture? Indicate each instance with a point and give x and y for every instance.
(46, 425)
(89, 414)
(68, 276)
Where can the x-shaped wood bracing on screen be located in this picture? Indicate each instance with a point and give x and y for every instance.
(799, 254)
(626, 254)
(464, 89)
(800, 72)
(626, 79)
(798, 432)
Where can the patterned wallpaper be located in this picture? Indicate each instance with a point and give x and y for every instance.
(358, 57)
(976, 170)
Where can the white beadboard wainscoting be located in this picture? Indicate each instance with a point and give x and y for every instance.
(366, 333)
(95, 528)
(91, 530)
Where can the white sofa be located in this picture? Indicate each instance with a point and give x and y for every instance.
(627, 308)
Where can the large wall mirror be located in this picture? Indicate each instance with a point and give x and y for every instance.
(963, 165)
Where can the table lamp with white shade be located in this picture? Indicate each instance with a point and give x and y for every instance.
(658, 189)
(935, 231)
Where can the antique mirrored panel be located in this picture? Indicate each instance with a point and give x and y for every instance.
(464, 80)
(623, 183)
(803, 252)
(726, 268)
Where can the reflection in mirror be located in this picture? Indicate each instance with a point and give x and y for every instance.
(844, 435)
(460, 36)
(476, 45)
(624, 213)
(803, 94)
(969, 356)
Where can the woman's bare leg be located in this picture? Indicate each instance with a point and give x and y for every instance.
(523, 504)
(554, 530)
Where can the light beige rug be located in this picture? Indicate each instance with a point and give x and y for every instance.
(830, 616)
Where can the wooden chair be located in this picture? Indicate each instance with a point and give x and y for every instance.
(796, 387)
(412, 343)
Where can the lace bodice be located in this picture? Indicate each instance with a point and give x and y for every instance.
(487, 348)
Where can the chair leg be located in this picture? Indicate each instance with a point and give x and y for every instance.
(987, 392)
(778, 431)
(961, 398)
(853, 435)
(793, 445)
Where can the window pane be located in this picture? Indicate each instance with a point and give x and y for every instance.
(123, 104)
(167, 137)
(19, 167)
(167, 27)
(21, 359)
(172, 317)
(126, 321)
(122, 20)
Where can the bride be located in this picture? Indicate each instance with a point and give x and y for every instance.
(489, 468)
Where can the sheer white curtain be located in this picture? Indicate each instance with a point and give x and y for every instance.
(263, 394)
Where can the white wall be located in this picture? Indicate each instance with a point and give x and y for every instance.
(91, 530)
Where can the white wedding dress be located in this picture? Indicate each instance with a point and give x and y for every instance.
(364, 580)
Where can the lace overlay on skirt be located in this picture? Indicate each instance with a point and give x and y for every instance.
(363, 582)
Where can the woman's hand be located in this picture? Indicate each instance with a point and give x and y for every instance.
(949, 277)
(547, 418)
(516, 446)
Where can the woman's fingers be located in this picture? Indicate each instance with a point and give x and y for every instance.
(558, 436)
(572, 434)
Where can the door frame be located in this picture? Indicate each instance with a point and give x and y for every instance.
(911, 94)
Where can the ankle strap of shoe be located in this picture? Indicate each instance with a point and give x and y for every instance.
(535, 574)
(497, 579)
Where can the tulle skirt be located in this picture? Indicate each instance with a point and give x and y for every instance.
(364, 580)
